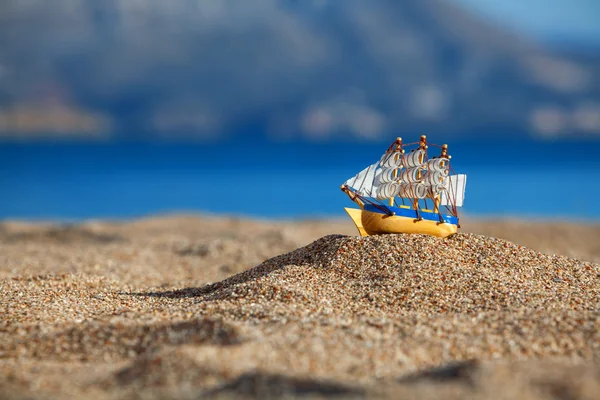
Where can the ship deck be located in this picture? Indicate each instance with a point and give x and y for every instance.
(405, 211)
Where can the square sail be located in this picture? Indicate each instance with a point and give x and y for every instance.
(455, 193)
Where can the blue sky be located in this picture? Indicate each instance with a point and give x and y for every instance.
(555, 19)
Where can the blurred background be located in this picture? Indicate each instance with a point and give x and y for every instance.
(128, 108)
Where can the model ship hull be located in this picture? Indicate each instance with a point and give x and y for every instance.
(372, 220)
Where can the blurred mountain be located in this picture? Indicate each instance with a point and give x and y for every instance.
(281, 68)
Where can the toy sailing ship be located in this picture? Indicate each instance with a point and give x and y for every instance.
(391, 193)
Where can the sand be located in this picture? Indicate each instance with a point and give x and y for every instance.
(209, 307)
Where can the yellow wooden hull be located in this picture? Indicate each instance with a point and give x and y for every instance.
(371, 223)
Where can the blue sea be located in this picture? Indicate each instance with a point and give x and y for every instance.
(75, 181)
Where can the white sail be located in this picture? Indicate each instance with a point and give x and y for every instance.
(365, 181)
(387, 175)
(386, 182)
(455, 193)
(391, 160)
(435, 178)
(413, 159)
(388, 190)
(410, 175)
(435, 190)
(413, 191)
(438, 165)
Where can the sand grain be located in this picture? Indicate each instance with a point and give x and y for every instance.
(189, 307)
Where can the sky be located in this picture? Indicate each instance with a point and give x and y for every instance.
(567, 20)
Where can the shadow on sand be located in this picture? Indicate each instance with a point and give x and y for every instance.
(260, 385)
(264, 269)
(458, 372)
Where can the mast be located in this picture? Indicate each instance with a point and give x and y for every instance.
(422, 146)
(436, 200)
(398, 153)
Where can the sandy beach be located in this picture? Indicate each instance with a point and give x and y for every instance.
(193, 306)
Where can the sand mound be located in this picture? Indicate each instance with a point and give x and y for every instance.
(387, 305)
(402, 274)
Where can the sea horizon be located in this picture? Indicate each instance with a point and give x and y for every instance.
(70, 181)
